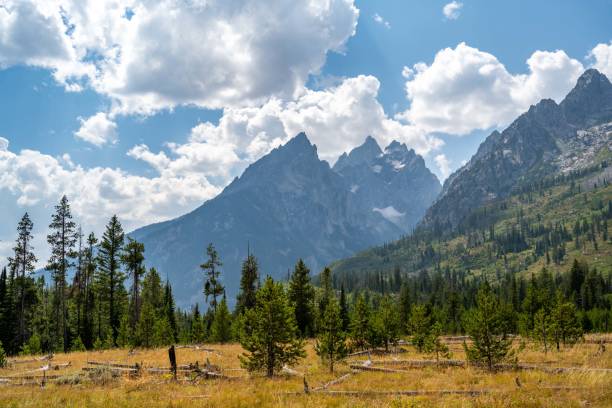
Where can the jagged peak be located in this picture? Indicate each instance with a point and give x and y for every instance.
(589, 76)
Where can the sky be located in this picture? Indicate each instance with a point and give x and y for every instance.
(146, 109)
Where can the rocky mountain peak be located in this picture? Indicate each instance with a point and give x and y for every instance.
(590, 102)
(367, 152)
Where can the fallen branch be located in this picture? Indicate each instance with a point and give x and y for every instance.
(333, 382)
(117, 365)
(378, 369)
(368, 393)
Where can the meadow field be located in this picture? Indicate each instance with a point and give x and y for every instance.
(575, 377)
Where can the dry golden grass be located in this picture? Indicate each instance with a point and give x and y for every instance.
(580, 388)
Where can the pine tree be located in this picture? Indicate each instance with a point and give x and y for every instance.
(169, 310)
(89, 273)
(111, 275)
(434, 344)
(249, 282)
(360, 323)
(331, 340)
(405, 304)
(566, 328)
(271, 340)
(23, 263)
(145, 329)
(212, 285)
(418, 327)
(487, 328)
(198, 331)
(344, 311)
(163, 335)
(387, 323)
(62, 240)
(301, 295)
(221, 330)
(133, 259)
(327, 290)
(3, 361)
(543, 328)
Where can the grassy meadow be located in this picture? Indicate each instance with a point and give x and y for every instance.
(586, 385)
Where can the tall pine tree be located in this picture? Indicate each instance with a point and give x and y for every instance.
(212, 284)
(249, 283)
(301, 295)
(62, 240)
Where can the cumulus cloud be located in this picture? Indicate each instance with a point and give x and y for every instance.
(98, 130)
(601, 55)
(464, 88)
(452, 10)
(336, 119)
(443, 165)
(97, 193)
(212, 54)
(4, 144)
(380, 20)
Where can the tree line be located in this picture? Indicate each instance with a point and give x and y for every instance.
(96, 310)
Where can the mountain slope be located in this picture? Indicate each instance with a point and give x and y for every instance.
(395, 183)
(287, 205)
(527, 150)
(536, 194)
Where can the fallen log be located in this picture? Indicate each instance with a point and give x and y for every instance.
(333, 382)
(372, 393)
(417, 363)
(378, 369)
(109, 364)
(34, 360)
(377, 351)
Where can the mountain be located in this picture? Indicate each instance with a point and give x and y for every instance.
(395, 183)
(537, 194)
(287, 205)
(537, 144)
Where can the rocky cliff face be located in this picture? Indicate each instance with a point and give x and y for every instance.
(539, 143)
(394, 183)
(290, 205)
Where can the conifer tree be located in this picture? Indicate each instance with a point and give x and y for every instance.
(434, 344)
(387, 323)
(301, 295)
(133, 259)
(249, 282)
(221, 330)
(327, 290)
(89, 273)
(169, 310)
(271, 340)
(331, 340)
(344, 311)
(145, 329)
(198, 331)
(405, 304)
(418, 327)
(163, 335)
(112, 277)
(3, 361)
(487, 328)
(212, 285)
(23, 263)
(62, 240)
(566, 328)
(360, 323)
(543, 328)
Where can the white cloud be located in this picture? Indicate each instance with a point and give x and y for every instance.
(443, 165)
(37, 179)
(98, 130)
(466, 89)
(380, 20)
(335, 119)
(4, 144)
(212, 54)
(602, 56)
(452, 10)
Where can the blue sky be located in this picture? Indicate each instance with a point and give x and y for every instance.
(149, 116)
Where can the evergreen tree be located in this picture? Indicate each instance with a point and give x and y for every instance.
(112, 277)
(327, 290)
(434, 343)
(405, 304)
(301, 295)
(418, 327)
(23, 263)
(360, 323)
(387, 323)
(169, 310)
(271, 340)
(212, 285)
(163, 335)
(3, 361)
(124, 336)
(344, 311)
(62, 240)
(565, 326)
(331, 340)
(198, 331)
(133, 259)
(221, 330)
(487, 328)
(249, 282)
(89, 273)
(543, 328)
(145, 329)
